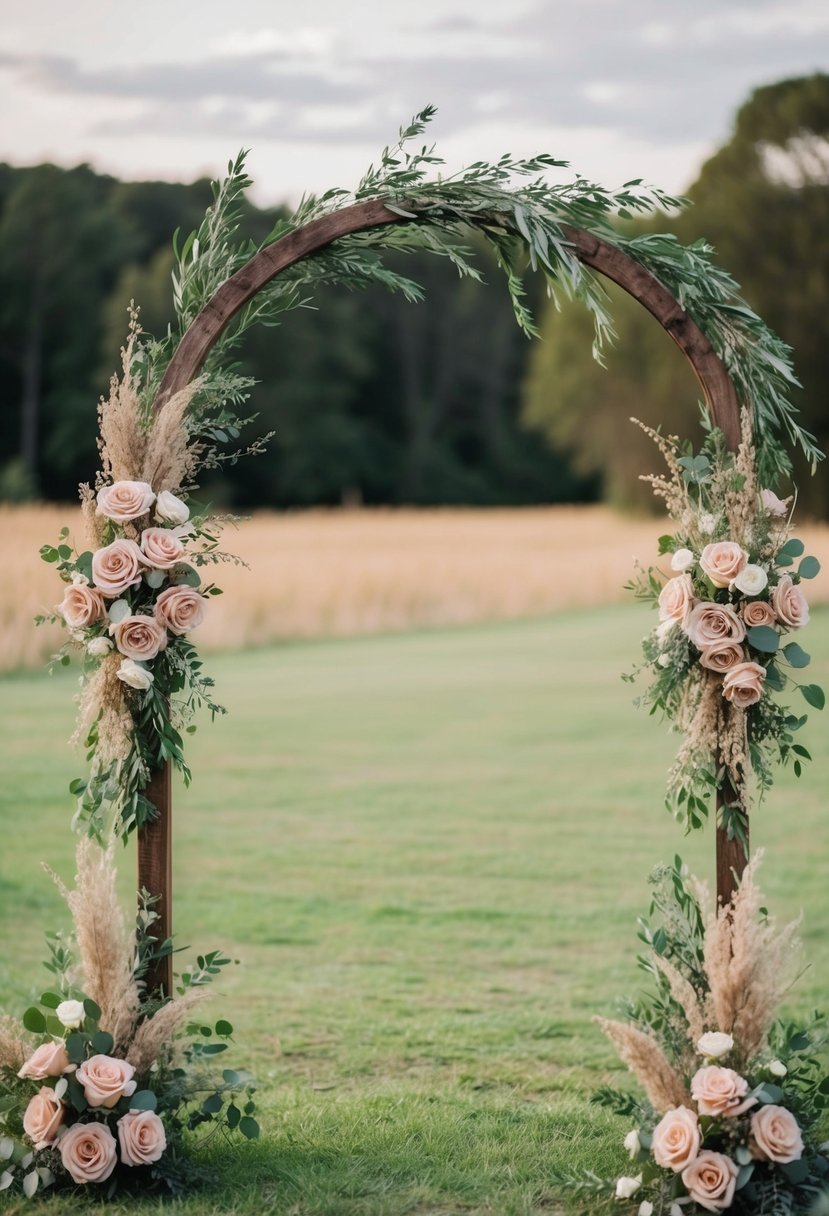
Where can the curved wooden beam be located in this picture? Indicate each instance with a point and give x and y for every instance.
(154, 841)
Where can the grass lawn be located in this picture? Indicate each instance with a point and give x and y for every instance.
(428, 852)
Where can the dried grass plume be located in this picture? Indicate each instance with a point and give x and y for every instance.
(649, 1064)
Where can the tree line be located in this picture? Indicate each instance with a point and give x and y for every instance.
(376, 400)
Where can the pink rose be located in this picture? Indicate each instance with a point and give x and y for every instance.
(139, 637)
(117, 567)
(789, 602)
(125, 500)
(49, 1060)
(722, 561)
(81, 606)
(43, 1118)
(710, 623)
(775, 1135)
(676, 598)
(722, 656)
(180, 609)
(743, 684)
(161, 547)
(142, 1137)
(720, 1091)
(711, 1181)
(757, 612)
(105, 1080)
(88, 1152)
(676, 1139)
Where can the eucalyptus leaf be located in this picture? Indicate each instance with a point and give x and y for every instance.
(809, 568)
(796, 656)
(764, 638)
(814, 694)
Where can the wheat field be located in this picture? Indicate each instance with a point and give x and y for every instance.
(343, 573)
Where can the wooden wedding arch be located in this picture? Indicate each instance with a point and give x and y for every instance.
(155, 839)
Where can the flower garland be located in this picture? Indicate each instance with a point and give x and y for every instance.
(735, 1099)
(100, 1080)
(720, 648)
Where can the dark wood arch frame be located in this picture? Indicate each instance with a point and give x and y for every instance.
(155, 840)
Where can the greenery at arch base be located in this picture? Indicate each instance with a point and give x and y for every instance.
(102, 1094)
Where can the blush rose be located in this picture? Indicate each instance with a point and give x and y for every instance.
(723, 561)
(758, 612)
(789, 604)
(710, 623)
(676, 1139)
(161, 547)
(117, 567)
(743, 684)
(88, 1152)
(720, 1091)
(49, 1060)
(711, 1181)
(43, 1118)
(722, 656)
(105, 1080)
(125, 500)
(140, 637)
(81, 606)
(775, 1135)
(142, 1137)
(180, 609)
(676, 598)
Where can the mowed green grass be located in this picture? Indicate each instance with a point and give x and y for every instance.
(428, 853)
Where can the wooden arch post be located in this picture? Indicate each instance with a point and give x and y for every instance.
(155, 840)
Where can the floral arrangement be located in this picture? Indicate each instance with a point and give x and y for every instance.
(720, 649)
(735, 1098)
(101, 1079)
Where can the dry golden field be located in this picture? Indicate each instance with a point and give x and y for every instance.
(337, 573)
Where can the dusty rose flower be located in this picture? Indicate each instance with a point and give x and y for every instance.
(773, 504)
(180, 609)
(88, 1152)
(49, 1060)
(789, 603)
(106, 1079)
(140, 637)
(676, 598)
(757, 612)
(43, 1118)
(125, 500)
(676, 1139)
(161, 547)
(722, 561)
(142, 1137)
(722, 656)
(711, 1181)
(709, 623)
(775, 1135)
(135, 675)
(743, 684)
(81, 606)
(720, 1091)
(117, 567)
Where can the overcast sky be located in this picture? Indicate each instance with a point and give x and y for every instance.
(172, 88)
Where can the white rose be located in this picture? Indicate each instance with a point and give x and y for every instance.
(135, 674)
(627, 1187)
(715, 1044)
(682, 560)
(98, 647)
(751, 580)
(707, 523)
(773, 504)
(664, 660)
(778, 1069)
(171, 509)
(118, 611)
(632, 1143)
(666, 627)
(646, 1208)
(70, 1014)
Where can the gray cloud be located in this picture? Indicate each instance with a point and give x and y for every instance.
(663, 73)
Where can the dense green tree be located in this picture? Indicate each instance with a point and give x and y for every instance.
(763, 202)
